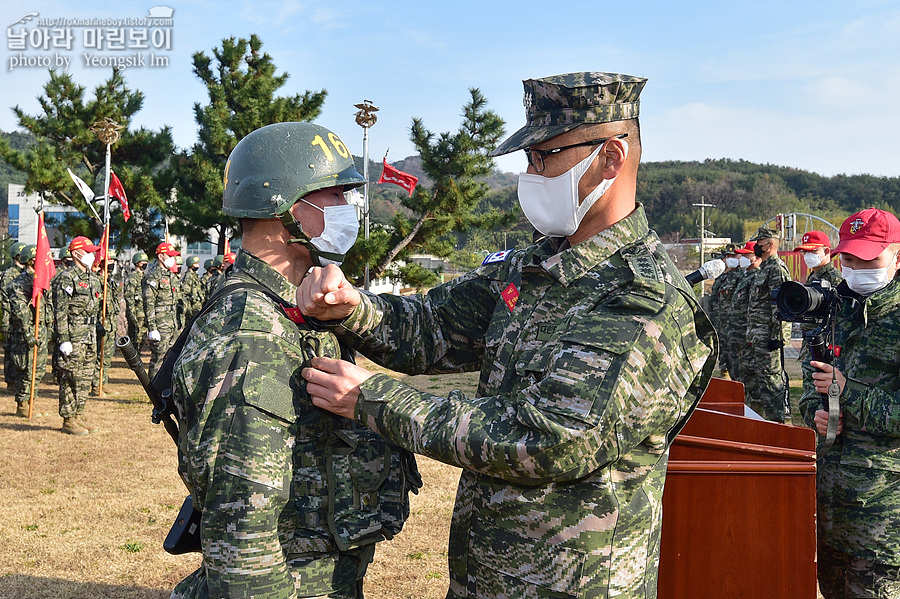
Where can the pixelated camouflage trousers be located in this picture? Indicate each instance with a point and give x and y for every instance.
(22, 360)
(136, 331)
(843, 576)
(764, 382)
(195, 587)
(76, 371)
(9, 376)
(159, 348)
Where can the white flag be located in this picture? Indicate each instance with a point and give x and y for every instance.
(86, 191)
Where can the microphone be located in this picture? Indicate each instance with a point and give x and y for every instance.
(709, 270)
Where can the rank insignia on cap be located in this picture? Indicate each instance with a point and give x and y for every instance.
(856, 225)
(510, 295)
(497, 257)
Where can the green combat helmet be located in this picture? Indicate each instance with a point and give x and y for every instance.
(208, 264)
(139, 257)
(27, 252)
(16, 249)
(273, 167)
(192, 260)
(218, 261)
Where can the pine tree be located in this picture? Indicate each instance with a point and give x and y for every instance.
(63, 139)
(241, 87)
(456, 164)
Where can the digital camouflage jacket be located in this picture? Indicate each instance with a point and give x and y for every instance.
(592, 357)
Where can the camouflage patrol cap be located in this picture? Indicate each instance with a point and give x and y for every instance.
(29, 252)
(557, 104)
(763, 233)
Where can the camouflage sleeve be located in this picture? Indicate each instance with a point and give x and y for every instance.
(19, 308)
(587, 410)
(876, 408)
(440, 332)
(810, 400)
(150, 288)
(61, 299)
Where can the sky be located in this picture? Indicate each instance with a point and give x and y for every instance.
(810, 85)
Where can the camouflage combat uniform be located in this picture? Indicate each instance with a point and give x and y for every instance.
(592, 357)
(21, 330)
(5, 279)
(76, 299)
(192, 294)
(111, 324)
(720, 313)
(256, 452)
(134, 307)
(764, 332)
(858, 480)
(160, 304)
(737, 328)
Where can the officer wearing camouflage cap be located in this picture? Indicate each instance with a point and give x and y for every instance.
(858, 479)
(592, 349)
(21, 330)
(5, 279)
(766, 385)
(293, 498)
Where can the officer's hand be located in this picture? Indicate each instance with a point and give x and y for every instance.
(822, 377)
(326, 294)
(333, 385)
(65, 348)
(821, 422)
(153, 336)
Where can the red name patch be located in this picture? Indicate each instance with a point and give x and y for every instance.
(510, 295)
(294, 314)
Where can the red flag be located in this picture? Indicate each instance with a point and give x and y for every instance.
(392, 175)
(117, 191)
(44, 268)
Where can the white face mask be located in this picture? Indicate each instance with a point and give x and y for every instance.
(812, 259)
(169, 261)
(744, 262)
(339, 234)
(732, 262)
(866, 281)
(87, 259)
(551, 203)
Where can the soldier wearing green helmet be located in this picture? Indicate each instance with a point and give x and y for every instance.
(192, 291)
(22, 330)
(134, 299)
(285, 182)
(5, 279)
(218, 269)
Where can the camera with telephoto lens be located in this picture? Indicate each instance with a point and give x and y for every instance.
(815, 304)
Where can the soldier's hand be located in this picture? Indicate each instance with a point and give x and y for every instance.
(32, 340)
(823, 376)
(153, 336)
(821, 422)
(65, 348)
(326, 294)
(333, 385)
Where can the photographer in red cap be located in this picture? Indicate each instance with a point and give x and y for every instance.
(160, 304)
(76, 297)
(858, 480)
(816, 248)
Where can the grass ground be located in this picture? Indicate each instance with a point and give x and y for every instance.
(85, 517)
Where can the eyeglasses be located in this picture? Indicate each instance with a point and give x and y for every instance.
(536, 157)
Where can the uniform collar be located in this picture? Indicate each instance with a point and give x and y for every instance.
(566, 264)
(250, 266)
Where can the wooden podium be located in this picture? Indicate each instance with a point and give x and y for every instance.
(739, 508)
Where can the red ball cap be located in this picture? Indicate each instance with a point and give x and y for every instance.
(813, 240)
(82, 243)
(866, 233)
(168, 249)
(747, 249)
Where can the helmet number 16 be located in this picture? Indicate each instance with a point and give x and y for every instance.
(335, 141)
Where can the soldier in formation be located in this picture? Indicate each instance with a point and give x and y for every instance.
(134, 300)
(593, 353)
(107, 333)
(192, 292)
(76, 299)
(160, 304)
(720, 303)
(5, 279)
(24, 337)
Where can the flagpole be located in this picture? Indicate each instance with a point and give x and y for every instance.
(37, 328)
(365, 118)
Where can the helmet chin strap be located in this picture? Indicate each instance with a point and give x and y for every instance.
(299, 236)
